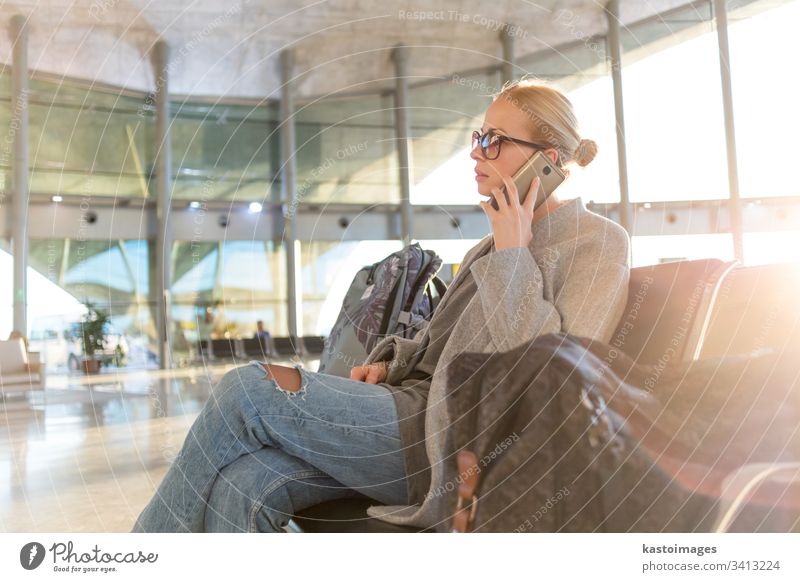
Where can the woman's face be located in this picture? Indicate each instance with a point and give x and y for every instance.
(504, 119)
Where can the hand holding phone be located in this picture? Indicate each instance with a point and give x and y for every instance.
(550, 177)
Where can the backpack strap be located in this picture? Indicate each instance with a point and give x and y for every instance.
(441, 286)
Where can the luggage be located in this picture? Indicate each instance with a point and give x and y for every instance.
(395, 296)
(566, 434)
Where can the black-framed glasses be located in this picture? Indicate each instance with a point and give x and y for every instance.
(490, 143)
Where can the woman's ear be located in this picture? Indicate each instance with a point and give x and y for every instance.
(552, 153)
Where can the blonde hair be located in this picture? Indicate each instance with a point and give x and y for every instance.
(552, 118)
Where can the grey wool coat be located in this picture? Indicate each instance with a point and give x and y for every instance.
(573, 277)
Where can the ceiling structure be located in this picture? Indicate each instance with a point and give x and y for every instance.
(231, 50)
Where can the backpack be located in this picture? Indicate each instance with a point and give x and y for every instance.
(395, 296)
(551, 437)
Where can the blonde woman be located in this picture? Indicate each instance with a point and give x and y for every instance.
(273, 440)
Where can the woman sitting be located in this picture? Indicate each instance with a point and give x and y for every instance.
(274, 440)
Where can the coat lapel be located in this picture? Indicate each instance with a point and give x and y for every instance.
(476, 251)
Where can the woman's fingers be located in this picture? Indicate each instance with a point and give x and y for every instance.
(371, 373)
(358, 373)
(375, 374)
(511, 190)
(487, 208)
(533, 192)
(501, 199)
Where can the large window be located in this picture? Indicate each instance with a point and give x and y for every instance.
(673, 119)
(654, 249)
(443, 117)
(85, 142)
(346, 150)
(220, 290)
(225, 152)
(114, 276)
(766, 91)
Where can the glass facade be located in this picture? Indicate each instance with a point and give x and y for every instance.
(225, 152)
(83, 142)
(220, 289)
(345, 150)
(66, 275)
(765, 97)
(99, 142)
(444, 113)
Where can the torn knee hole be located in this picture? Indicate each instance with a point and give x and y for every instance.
(301, 384)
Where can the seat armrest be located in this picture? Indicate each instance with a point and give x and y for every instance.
(37, 366)
(741, 484)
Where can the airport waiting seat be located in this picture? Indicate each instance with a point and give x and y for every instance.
(313, 345)
(666, 316)
(668, 310)
(20, 370)
(216, 349)
(256, 347)
(204, 349)
(760, 483)
(225, 348)
(288, 347)
(757, 309)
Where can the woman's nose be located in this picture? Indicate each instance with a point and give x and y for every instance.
(476, 153)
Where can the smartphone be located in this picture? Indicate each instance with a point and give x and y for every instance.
(550, 177)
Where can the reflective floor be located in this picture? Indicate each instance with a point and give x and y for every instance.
(87, 455)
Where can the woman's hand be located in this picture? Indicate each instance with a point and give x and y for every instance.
(511, 222)
(371, 373)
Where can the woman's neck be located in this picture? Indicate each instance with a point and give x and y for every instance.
(551, 203)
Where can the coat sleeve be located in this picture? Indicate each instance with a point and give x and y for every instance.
(401, 355)
(589, 303)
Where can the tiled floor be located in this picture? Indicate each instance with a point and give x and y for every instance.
(88, 455)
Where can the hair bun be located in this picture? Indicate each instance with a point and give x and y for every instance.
(585, 152)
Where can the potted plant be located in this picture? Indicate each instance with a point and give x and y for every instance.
(93, 337)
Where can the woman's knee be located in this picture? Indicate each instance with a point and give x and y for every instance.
(237, 386)
(285, 377)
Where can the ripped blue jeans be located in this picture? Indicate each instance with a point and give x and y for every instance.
(257, 454)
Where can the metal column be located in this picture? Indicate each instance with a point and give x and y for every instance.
(19, 127)
(288, 180)
(615, 54)
(163, 201)
(508, 65)
(735, 207)
(403, 140)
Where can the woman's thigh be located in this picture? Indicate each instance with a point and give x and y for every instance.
(346, 429)
(261, 491)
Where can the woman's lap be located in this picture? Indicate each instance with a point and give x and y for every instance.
(261, 491)
(345, 428)
(334, 427)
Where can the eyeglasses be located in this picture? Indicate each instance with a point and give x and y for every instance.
(490, 143)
